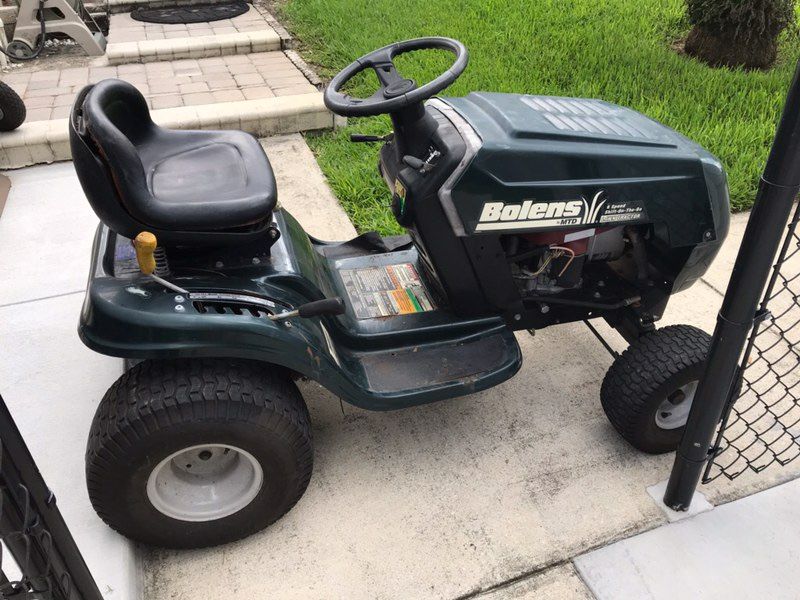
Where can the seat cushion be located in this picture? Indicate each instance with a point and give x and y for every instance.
(174, 175)
(203, 186)
(205, 181)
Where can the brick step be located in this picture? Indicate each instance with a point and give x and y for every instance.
(245, 42)
(48, 94)
(48, 141)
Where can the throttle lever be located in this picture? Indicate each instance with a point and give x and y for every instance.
(365, 138)
(422, 166)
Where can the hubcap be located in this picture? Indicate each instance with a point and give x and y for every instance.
(205, 482)
(673, 412)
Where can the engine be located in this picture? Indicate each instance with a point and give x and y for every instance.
(552, 262)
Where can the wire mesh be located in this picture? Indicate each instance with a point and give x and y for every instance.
(761, 425)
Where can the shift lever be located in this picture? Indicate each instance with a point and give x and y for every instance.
(145, 245)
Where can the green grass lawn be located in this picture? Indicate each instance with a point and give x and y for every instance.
(616, 50)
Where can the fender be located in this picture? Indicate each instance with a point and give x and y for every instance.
(137, 318)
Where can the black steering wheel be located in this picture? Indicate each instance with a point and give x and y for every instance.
(396, 92)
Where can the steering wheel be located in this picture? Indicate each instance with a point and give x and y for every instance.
(396, 92)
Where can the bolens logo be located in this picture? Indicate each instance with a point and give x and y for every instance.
(499, 215)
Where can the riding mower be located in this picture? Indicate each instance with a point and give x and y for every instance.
(521, 211)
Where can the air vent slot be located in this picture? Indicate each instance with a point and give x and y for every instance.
(585, 116)
(243, 309)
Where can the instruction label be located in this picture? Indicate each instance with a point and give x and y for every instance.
(386, 291)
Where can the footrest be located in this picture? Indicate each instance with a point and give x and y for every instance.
(461, 367)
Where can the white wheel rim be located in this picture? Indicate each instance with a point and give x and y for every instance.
(673, 412)
(205, 482)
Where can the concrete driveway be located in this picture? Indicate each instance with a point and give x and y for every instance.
(490, 495)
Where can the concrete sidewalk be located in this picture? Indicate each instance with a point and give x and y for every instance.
(51, 383)
(747, 549)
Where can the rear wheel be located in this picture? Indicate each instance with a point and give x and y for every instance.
(12, 108)
(193, 453)
(648, 391)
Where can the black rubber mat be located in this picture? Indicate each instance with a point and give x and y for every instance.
(199, 13)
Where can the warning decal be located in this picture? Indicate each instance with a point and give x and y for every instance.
(386, 291)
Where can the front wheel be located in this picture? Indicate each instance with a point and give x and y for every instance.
(193, 453)
(648, 391)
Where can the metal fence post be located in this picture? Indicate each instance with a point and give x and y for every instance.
(777, 190)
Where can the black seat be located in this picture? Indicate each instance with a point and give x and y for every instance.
(187, 187)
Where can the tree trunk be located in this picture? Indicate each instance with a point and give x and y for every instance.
(724, 50)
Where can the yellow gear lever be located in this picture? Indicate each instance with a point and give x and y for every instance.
(145, 245)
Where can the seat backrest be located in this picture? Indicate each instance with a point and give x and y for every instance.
(107, 121)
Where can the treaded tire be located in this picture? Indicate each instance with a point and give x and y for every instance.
(161, 407)
(642, 377)
(12, 107)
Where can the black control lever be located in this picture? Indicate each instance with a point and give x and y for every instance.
(364, 138)
(318, 308)
(423, 166)
(415, 163)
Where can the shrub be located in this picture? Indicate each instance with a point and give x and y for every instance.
(737, 32)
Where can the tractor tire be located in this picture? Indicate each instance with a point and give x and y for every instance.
(648, 391)
(193, 453)
(12, 108)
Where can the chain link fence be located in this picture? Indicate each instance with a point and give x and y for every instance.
(761, 423)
